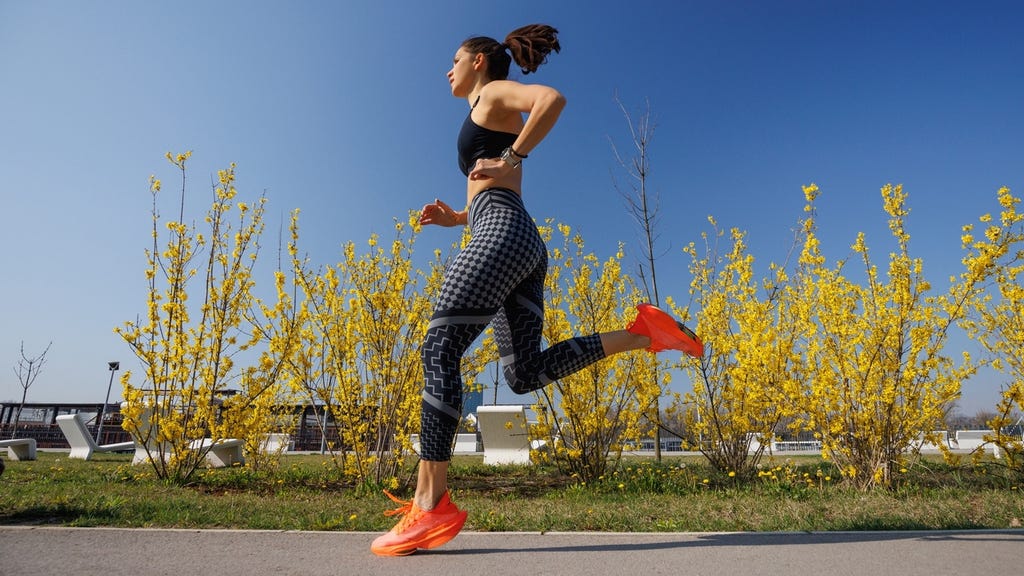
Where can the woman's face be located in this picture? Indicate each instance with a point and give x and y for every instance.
(462, 76)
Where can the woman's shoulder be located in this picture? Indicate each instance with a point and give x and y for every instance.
(496, 89)
(496, 96)
(499, 86)
(511, 95)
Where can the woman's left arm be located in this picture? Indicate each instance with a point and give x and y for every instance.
(542, 104)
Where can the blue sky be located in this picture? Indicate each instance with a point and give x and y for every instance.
(342, 109)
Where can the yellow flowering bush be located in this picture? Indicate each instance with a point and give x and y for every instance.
(587, 416)
(994, 318)
(361, 325)
(187, 345)
(854, 354)
(878, 374)
(752, 367)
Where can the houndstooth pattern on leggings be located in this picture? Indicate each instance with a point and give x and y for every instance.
(498, 277)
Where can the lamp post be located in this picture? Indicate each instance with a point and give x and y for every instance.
(113, 367)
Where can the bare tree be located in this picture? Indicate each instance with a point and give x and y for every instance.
(643, 204)
(27, 371)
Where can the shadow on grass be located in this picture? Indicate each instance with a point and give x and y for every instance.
(57, 515)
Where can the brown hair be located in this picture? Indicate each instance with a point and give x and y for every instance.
(529, 45)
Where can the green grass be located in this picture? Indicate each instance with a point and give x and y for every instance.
(682, 494)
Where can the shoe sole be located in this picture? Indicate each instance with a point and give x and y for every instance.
(432, 539)
(695, 347)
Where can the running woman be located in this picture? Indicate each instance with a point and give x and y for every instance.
(498, 279)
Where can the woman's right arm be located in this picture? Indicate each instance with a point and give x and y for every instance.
(442, 214)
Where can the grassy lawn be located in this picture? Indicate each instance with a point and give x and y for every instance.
(681, 494)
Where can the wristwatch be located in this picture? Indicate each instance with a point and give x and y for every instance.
(512, 158)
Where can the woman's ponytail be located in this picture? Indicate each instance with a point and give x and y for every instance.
(529, 47)
(531, 44)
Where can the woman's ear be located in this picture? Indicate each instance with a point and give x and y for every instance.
(479, 62)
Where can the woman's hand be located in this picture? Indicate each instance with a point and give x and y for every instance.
(490, 168)
(439, 213)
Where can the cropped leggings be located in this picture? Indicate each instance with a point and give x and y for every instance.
(497, 279)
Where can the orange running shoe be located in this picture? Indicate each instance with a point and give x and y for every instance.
(664, 331)
(419, 528)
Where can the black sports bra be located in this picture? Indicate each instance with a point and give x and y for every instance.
(476, 142)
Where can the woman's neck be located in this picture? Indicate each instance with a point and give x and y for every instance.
(474, 95)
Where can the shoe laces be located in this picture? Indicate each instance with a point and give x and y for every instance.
(411, 513)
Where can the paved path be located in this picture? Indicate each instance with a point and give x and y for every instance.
(115, 552)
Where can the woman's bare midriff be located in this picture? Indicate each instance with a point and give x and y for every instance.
(512, 182)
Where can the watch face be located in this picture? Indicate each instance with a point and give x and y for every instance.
(509, 158)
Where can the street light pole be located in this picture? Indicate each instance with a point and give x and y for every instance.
(113, 367)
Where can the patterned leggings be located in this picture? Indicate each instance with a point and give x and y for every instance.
(498, 278)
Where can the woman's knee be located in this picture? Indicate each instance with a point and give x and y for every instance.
(521, 380)
(438, 349)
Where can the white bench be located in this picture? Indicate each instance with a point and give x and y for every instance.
(275, 443)
(20, 448)
(920, 444)
(971, 440)
(225, 452)
(82, 444)
(464, 443)
(504, 431)
(222, 453)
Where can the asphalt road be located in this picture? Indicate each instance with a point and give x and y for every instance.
(44, 551)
